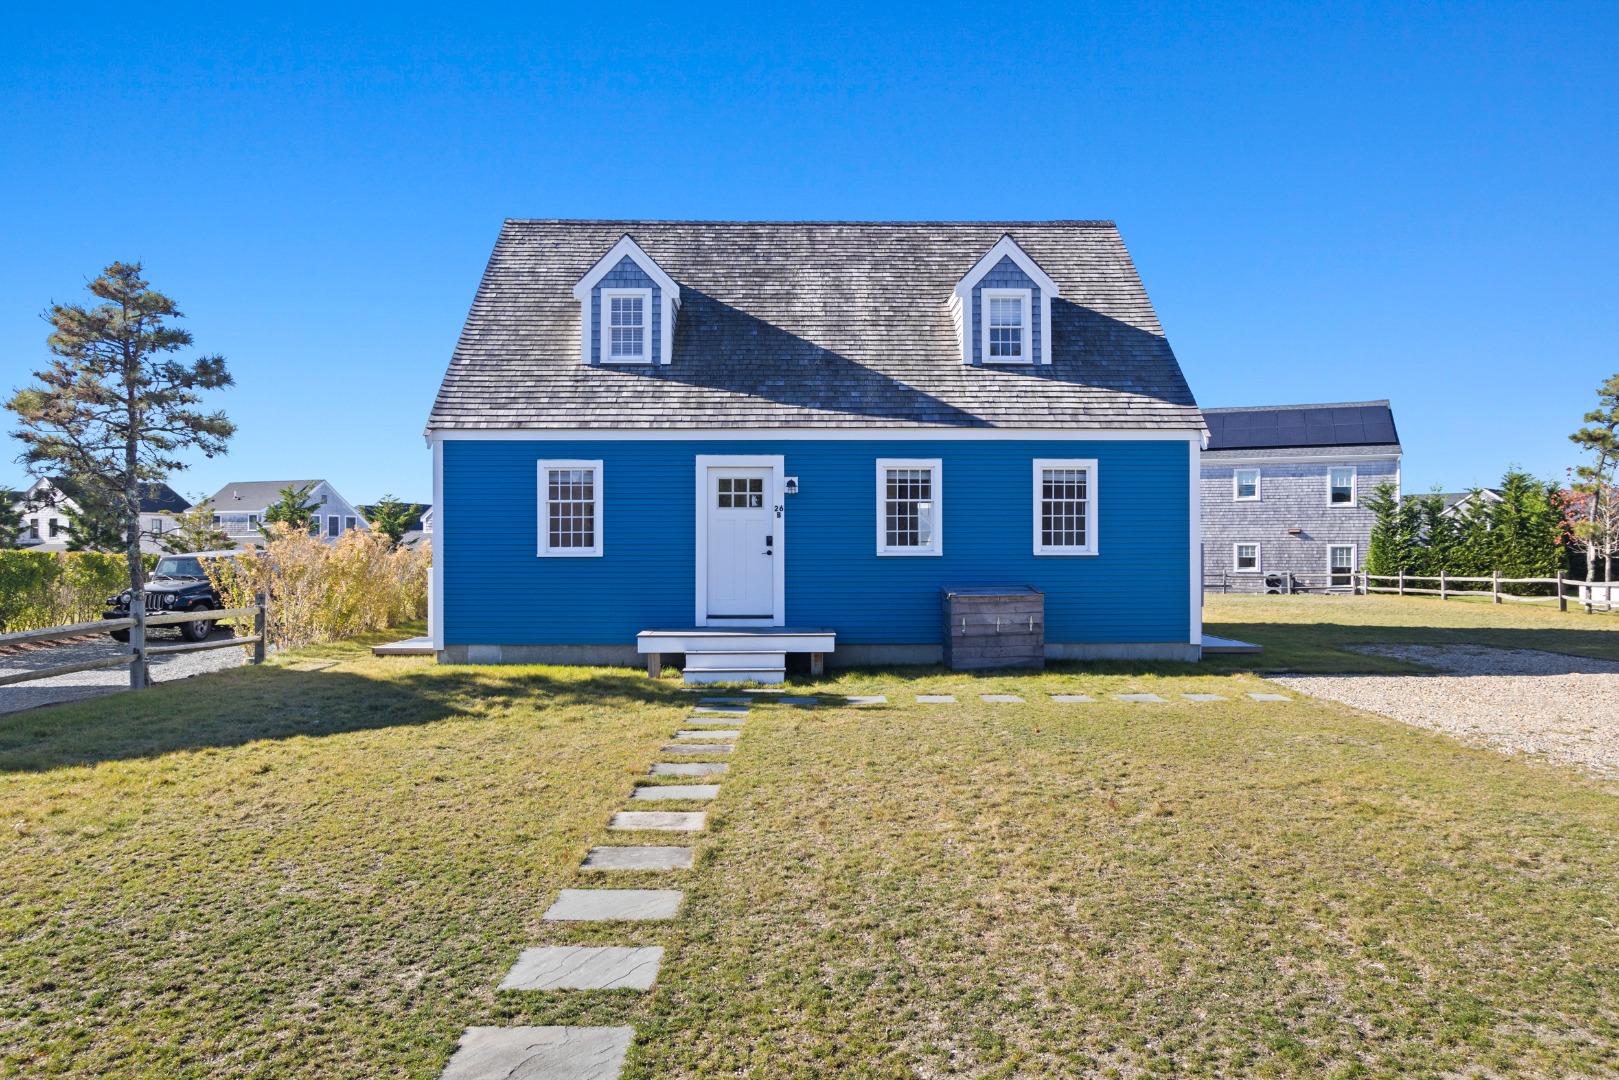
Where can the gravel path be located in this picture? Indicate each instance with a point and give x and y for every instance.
(1518, 701)
(85, 684)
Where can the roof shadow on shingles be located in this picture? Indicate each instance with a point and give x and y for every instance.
(720, 347)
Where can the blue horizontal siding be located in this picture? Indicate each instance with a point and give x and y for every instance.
(498, 591)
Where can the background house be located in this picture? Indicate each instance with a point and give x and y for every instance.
(1284, 489)
(738, 429)
(48, 504)
(239, 508)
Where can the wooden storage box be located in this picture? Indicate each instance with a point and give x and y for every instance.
(994, 626)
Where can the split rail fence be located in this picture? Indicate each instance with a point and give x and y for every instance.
(1591, 595)
(139, 651)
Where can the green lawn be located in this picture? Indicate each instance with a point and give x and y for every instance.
(323, 867)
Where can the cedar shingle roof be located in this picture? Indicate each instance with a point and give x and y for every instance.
(811, 324)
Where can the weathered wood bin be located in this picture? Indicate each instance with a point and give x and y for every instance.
(994, 626)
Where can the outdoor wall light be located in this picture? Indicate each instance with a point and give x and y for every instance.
(789, 485)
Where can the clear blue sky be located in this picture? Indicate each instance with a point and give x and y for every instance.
(1327, 203)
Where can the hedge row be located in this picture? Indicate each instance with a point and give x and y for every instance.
(55, 588)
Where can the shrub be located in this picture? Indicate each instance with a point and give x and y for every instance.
(56, 588)
(324, 592)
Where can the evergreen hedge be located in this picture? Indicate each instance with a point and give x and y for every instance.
(56, 588)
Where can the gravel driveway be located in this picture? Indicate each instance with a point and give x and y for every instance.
(104, 680)
(1518, 701)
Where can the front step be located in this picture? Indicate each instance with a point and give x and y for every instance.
(724, 654)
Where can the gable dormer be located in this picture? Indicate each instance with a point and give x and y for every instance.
(627, 308)
(1002, 308)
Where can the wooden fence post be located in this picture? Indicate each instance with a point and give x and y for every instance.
(1402, 581)
(1442, 595)
(1495, 586)
(1562, 595)
(137, 641)
(260, 626)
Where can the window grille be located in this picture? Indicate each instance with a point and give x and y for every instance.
(1247, 483)
(571, 508)
(627, 320)
(908, 508)
(1341, 564)
(1064, 503)
(741, 492)
(1005, 326)
(1343, 486)
(1247, 557)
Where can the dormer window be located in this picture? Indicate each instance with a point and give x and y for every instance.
(1002, 308)
(627, 334)
(627, 308)
(1006, 327)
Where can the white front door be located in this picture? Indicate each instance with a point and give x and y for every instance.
(743, 530)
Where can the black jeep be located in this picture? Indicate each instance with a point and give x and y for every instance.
(178, 584)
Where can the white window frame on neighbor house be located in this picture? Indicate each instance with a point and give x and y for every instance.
(1354, 564)
(1353, 476)
(1086, 465)
(1236, 557)
(935, 468)
(607, 354)
(1236, 485)
(544, 512)
(1025, 298)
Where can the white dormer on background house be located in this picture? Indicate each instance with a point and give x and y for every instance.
(627, 308)
(1002, 308)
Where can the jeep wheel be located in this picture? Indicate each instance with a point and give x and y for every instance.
(196, 631)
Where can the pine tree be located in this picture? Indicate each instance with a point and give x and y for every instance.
(114, 407)
(293, 508)
(194, 530)
(1600, 439)
(391, 518)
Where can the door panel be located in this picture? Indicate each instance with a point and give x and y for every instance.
(741, 543)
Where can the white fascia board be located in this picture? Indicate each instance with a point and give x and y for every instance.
(671, 293)
(821, 434)
(1006, 247)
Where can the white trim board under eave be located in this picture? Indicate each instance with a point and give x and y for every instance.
(911, 434)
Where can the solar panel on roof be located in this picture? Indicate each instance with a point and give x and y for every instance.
(1329, 425)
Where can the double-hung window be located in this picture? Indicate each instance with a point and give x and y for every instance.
(1245, 558)
(1341, 486)
(1006, 326)
(626, 326)
(332, 527)
(1341, 565)
(570, 508)
(908, 506)
(1245, 485)
(1065, 506)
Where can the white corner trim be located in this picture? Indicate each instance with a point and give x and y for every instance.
(1092, 517)
(776, 463)
(1195, 542)
(435, 595)
(935, 545)
(647, 315)
(542, 510)
(649, 266)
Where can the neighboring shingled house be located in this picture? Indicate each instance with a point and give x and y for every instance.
(48, 504)
(1284, 490)
(239, 508)
(731, 430)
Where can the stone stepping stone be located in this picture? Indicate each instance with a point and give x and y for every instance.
(723, 710)
(709, 733)
(582, 967)
(658, 821)
(722, 701)
(1072, 699)
(698, 748)
(731, 721)
(799, 700)
(870, 699)
(675, 791)
(1139, 697)
(1270, 697)
(1202, 697)
(638, 858)
(557, 1053)
(1001, 699)
(696, 768)
(935, 699)
(606, 905)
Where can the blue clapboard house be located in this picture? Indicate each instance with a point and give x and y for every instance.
(741, 441)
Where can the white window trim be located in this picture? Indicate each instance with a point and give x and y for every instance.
(647, 316)
(1259, 557)
(1354, 484)
(1354, 564)
(1092, 545)
(1236, 485)
(543, 490)
(1026, 296)
(935, 544)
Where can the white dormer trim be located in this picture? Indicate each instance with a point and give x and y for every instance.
(961, 300)
(593, 277)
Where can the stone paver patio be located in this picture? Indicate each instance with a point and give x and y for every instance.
(582, 967)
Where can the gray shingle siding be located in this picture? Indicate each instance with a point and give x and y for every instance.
(1293, 494)
(626, 275)
(811, 324)
(1006, 274)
